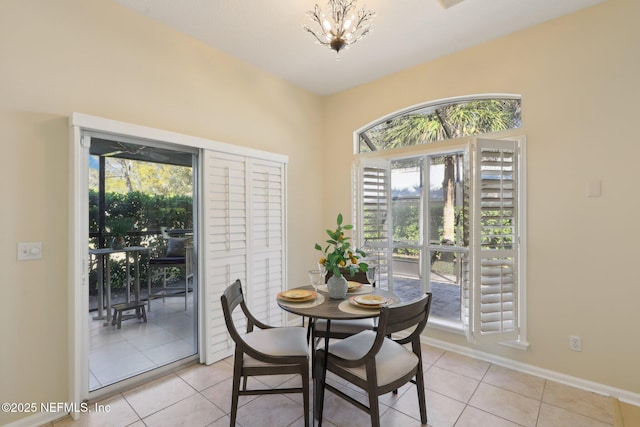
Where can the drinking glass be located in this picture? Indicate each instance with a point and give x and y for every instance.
(323, 271)
(371, 275)
(317, 278)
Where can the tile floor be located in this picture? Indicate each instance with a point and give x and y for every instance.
(461, 392)
(117, 354)
(169, 334)
(627, 415)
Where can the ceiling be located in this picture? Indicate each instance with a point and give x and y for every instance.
(139, 151)
(268, 33)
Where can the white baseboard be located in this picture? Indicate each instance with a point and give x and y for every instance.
(622, 395)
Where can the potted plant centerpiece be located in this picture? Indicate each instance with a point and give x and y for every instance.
(338, 257)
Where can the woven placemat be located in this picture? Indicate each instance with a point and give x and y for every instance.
(347, 307)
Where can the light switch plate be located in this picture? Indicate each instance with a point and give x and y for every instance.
(29, 251)
(594, 188)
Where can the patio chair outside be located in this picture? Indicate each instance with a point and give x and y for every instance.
(177, 253)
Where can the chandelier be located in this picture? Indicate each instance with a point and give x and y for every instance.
(344, 27)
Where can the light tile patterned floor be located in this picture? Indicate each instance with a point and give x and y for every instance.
(116, 354)
(169, 335)
(461, 392)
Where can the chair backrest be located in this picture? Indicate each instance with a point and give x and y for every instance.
(396, 318)
(231, 299)
(358, 276)
(172, 247)
(400, 317)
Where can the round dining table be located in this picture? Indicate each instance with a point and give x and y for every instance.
(324, 307)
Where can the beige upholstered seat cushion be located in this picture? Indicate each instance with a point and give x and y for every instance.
(392, 361)
(345, 326)
(290, 341)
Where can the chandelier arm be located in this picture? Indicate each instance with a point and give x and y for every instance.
(314, 15)
(357, 39)
(318, 38)
(349, 5)
(337, 7)
(364, 16)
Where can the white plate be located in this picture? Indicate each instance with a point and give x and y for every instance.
(370, 300)
(353, 286)
(297, 294)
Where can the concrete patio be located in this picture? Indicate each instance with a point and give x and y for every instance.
(446, 296)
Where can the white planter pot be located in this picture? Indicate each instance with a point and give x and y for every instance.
(337, 287)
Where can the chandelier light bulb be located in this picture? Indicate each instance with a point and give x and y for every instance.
(338, 31)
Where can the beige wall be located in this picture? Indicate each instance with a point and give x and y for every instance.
(103, 59)
(578, 77)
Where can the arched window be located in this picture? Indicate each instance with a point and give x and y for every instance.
(449, 218)
(442, 120)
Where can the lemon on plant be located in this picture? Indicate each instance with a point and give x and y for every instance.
(339, 253)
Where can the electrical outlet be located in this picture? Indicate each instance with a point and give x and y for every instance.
(575, 343)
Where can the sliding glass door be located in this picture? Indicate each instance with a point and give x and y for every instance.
(142, 193)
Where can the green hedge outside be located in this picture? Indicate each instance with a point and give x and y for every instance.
(145, 214)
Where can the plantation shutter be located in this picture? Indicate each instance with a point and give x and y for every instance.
(495, 241)
(371, 181)
(267, 258)
(244, 238)
(466, 279)
(225, 243)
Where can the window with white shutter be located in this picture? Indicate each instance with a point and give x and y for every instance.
(486, 247)
(372, 222)
(496, 240)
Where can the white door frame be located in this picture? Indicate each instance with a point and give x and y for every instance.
(78, 368)
(78, 292)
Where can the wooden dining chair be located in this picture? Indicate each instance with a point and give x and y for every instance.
(376, 363)
(266, 350)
